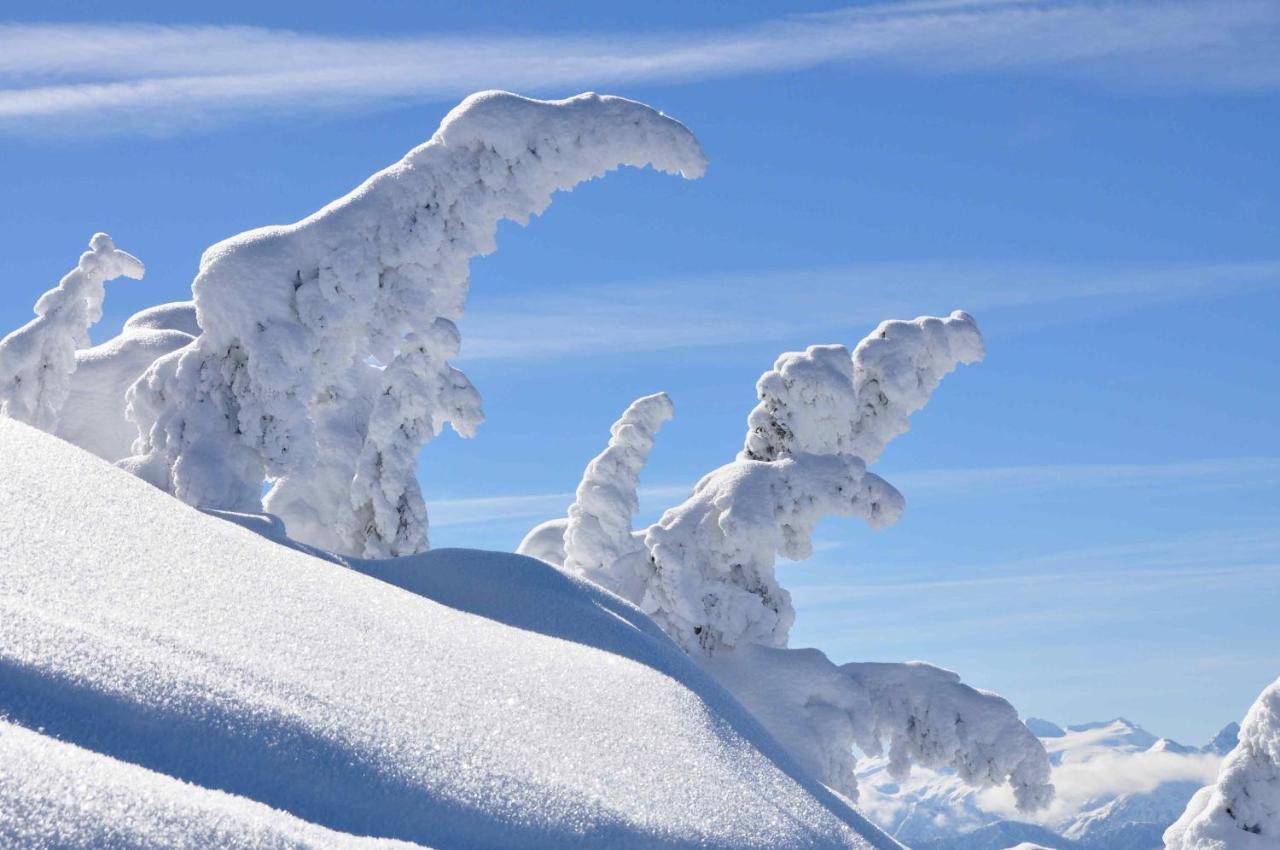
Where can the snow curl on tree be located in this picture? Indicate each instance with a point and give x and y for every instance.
(288, 312)
(38, 360)
(598, 541)
(1242, 810)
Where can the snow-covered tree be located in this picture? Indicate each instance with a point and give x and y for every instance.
(823, 414)
(709, 578)
(825, 401)
(1242, 810)
(598, 540)
(712, 582)
(286, 313)
(38, 360)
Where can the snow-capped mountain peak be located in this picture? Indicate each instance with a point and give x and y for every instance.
(1225, 741)
(1117, 732)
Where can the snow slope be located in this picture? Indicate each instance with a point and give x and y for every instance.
(58, 795)
(166, 673)
(1119, 787)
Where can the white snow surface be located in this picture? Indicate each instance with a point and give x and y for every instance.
(195, 673)
(38, 359)
(1241, 811)
(599, 544)
(286, 311)
(57, 795)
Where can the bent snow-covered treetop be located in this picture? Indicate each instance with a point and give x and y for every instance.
(38, 359)
(286, 311)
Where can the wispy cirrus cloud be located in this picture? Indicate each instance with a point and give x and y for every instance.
(152, 78)
(725, 309)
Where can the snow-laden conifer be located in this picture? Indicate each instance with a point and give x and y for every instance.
(823, 414)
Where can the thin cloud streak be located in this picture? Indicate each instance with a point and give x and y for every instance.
(728, 309)
(936, 483)
(538, 506)
(1249, 471)
(166, 79)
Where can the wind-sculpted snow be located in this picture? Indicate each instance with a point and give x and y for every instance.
(38, 360)
(286, 311)
(826, 401)
(713, 582)
(454, 699)
(598, 541)
(1242, 810)
(926, 715)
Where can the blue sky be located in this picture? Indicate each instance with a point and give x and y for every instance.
(1092, 511)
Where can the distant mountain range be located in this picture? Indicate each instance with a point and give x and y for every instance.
(1119, 788)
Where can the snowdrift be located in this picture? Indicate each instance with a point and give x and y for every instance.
(171, 679)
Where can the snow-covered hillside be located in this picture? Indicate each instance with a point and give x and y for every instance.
(1119, 787)
(170, 679)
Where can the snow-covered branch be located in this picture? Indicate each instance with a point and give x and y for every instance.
(598, 539)
(930, 718)
(826, 401)
(1241, 811)
(926, 716)
(38, 359)
(286, 311)
(713, 583)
